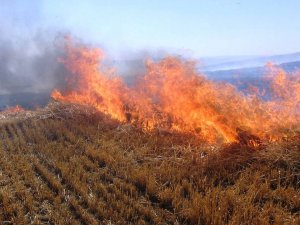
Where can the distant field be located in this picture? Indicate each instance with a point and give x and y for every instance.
(88, 169)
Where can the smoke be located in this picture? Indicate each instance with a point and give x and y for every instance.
(29, 52)
(131, 65)
(30, 65)
(30, 69)
(31, 44)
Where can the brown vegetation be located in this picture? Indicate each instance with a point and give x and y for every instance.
(70, 165)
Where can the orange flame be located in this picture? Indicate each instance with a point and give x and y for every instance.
(173, 96)
(13, 109)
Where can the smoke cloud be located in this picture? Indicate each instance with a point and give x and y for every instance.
(30, 65)
(29, 52)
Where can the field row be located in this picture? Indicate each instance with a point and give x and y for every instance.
(89, 171)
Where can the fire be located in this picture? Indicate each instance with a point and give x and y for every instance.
(89, 85)
(172, 95)
(13, 109)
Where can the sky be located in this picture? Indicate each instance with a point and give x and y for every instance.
(199, 28)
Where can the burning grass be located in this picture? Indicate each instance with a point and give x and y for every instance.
(172, 96)
(70, 164)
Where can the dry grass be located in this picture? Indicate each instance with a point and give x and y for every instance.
(67, 164)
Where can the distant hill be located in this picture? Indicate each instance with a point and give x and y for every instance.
(248, 73)
(237, 62)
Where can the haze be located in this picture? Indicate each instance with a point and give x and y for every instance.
(197, 28)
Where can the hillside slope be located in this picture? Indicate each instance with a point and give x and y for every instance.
(80, 167)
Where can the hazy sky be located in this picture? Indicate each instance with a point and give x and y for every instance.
(197, 27)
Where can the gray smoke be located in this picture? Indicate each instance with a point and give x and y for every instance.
(30, 46)
(30, 69)
(29, 52)
(30, 65)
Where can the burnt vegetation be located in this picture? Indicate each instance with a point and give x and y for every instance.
(71, 165)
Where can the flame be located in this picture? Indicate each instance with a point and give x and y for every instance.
(13, 110)
(172, 95)
(90, 86)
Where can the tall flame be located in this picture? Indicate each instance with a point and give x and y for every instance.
(172, 95)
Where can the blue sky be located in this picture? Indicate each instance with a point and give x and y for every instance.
(198, 28)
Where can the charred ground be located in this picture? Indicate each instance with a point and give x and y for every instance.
(71, 165)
